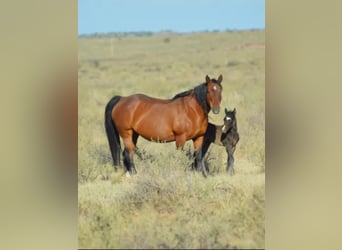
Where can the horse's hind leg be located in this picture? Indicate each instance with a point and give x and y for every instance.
(129, 162)
(128, 152)
(135, 138)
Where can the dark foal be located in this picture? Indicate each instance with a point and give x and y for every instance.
(225, 135)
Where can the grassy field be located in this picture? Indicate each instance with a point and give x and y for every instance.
(165, 205)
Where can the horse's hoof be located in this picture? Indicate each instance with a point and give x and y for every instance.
(205, 174)
(231, 171)
(128, 175)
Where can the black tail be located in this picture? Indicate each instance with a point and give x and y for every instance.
(112, 132)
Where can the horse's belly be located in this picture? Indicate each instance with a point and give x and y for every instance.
(154, 124)
(157, 136)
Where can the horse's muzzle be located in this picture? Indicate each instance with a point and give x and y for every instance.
(216, 110)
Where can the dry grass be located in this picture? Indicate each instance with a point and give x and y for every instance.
(166, 205)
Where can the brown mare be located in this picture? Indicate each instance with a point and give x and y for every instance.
(224, 135)
(179, 119)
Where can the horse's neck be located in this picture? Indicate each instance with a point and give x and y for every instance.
(202, 102)
(231, 130)
(198, 108)
(234, 128)
(220, 136)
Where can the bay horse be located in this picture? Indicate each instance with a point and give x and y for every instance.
(224, 135)
(179, 119)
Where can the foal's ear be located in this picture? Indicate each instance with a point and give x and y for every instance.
(207, 79)
(234, 111)
(220, 79)
(226, 111)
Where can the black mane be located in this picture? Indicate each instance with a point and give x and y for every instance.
(200, 94)
(185, 93)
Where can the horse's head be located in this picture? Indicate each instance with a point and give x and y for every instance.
(229, 120)
(214, 91)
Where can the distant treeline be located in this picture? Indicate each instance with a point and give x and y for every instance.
(150, 33)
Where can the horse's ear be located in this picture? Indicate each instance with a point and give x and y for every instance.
(207, 79)
(234, 111)
(226, 111)
(220, 79)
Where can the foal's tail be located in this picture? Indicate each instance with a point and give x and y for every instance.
(112, 132)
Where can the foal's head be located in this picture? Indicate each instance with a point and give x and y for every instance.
(214, 93)
(229, 120)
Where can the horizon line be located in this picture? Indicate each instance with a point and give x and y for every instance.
(166, 31)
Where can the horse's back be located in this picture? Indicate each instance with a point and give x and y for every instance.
(141, 104)
(150, 117)
(147, 99)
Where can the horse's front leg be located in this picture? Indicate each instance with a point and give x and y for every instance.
(180, 141)
(199, 160)
(204, 149)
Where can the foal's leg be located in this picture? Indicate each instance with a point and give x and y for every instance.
(198, 155)
(129, 151)
(230, 160)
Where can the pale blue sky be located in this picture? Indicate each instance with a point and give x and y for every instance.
(176, 15)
